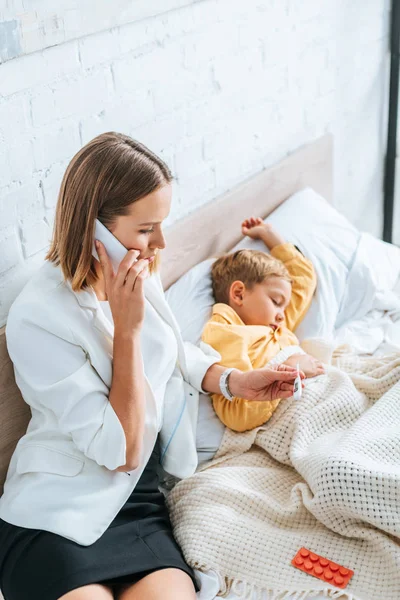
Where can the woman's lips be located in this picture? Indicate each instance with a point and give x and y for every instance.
(273, 326)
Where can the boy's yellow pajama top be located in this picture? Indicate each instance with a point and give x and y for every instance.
(248, 347)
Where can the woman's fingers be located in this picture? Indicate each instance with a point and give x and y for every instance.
(286, 386)
(126, 264)
(105, 261)
(138, 272)
(285, 393)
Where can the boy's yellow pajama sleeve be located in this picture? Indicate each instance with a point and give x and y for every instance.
(304, 282)
(238, 414)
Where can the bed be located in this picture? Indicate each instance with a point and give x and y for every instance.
(371, 322)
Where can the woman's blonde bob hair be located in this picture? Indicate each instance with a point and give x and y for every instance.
(102, 180)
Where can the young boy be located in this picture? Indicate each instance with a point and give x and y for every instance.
(260, 299)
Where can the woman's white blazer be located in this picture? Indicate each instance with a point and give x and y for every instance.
(62, 476)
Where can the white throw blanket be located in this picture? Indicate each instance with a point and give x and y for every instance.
(323, 473)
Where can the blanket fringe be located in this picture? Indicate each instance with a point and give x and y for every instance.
(249, 591)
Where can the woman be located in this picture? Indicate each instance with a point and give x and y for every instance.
(99, 359)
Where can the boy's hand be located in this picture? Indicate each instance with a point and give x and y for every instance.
(310, 366)
(255, 228)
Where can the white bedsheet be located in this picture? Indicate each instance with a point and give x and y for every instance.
(378, 332)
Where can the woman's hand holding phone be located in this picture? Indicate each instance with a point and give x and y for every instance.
(124, 289)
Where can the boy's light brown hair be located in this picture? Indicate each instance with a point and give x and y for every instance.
(249, 266)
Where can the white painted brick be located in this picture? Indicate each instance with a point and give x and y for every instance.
(8, 209)
(19, 160)
(104, 121)
(51, 182)
(134, 73)
(185, 88)
(222, 146)
(24, 203)
(174, 25)
(83, 96)
(38, 68)
(310, 9)
(162, 133)
(136, 37)
(29, 202)
(212, 115)
(207, 13)
(4, 169)
(99, 48)
(176, 210)
(56, 146)
(167, 154)
(49, 33)
(43, 107)
(190, 159)
(194, 189)
(234, 73)
(125, 116)
(254, 32)
(217, 39)
(14, 117)
(35, 237)
(10, 253)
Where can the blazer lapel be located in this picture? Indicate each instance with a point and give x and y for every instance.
(155, 295)
(88, 299)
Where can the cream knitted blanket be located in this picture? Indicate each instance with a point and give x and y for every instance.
(323, 473)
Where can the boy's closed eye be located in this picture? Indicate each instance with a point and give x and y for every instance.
(279, 301)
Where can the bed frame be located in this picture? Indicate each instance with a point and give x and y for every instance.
(211, 229)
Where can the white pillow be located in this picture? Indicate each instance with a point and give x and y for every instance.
(329, 240)
(350, 266)
(191, 300)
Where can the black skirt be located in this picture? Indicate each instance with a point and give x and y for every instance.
(36, 564)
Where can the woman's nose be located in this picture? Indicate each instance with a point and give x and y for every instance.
(159, 241)
(279, 317)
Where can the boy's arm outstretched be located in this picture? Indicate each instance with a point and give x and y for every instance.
(301, 270)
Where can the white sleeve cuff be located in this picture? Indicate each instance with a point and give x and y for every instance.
(108, 446)
(199, 359)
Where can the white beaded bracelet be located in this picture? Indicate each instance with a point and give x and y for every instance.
(223, 384)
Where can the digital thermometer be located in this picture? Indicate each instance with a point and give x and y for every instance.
(297, 385)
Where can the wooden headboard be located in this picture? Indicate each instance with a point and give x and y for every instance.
(211, 229)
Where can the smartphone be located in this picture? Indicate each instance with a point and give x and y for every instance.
(115, 250)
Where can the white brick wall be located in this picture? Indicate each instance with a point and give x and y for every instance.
(219, 88)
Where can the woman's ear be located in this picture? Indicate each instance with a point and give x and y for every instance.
(236, 293)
